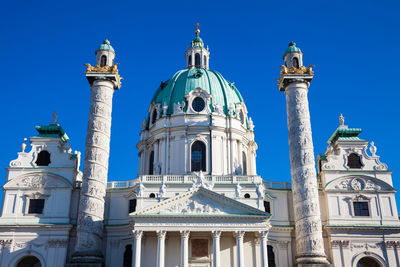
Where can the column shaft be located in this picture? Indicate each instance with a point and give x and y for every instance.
(264, 248)
(239, 245)
(137, 247)
(309, 241)
(161, 248)
(185, 248)
(94, 182)
(216, 247)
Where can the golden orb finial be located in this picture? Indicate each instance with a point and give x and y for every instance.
(197, 29)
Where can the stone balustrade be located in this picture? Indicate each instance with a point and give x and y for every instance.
(215, 179)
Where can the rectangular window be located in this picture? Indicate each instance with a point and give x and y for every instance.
(267, 206)
(132, 205)
(361, 208)
(36, 206)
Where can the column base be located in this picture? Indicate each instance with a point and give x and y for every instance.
(314, 265)
(83, 264)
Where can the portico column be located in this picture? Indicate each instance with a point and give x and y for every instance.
(216, 238)
(185, 248)
(239, 244)
(264, 248)
(137, 246)
(161, 248)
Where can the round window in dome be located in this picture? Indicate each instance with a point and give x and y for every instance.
(198, 104)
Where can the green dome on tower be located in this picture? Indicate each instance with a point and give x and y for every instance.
(105, 46)
(292, 48)
(223, 93)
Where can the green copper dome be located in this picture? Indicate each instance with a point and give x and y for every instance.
(105, 46)
(197, 41)
(292, 48)
(174, 90)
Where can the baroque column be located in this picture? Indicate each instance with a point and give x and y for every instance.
(137, 247)
(185, 248)
(264, 248)
(294, 81)
(161, 248)
(239, 245)
(104, 79)
(216, 245)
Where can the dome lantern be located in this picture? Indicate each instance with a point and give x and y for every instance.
(105, 54)
(197, 56)
(293, 56)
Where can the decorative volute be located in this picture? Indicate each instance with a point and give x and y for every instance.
(105, 54)
(197, 56)
(293, 56)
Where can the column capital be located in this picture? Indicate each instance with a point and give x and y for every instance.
(137, 234)
(161, 234)
(216, 233)
(239, 234)
(263, 234)
(184, 233)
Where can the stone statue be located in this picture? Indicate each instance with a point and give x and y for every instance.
(143, 125)
(251, 124)
(157, 168)
(140, 189)
(260, 191)
(218, 109)
(238, 190)
(163, 190)
(165, 108)
(341, 119)
(178, 107)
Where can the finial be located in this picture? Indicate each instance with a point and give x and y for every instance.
(23, 145)
(372, 148)
(197, 29)
(292, 43)
(55, 116)
(341, 119)
(106, 41)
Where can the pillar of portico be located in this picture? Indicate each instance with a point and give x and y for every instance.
(216, 245)
(264, 248)
(161, 248)
(185, 248)
(239, 245)
(137, 246)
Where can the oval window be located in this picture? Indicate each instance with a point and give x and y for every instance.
(198, 104)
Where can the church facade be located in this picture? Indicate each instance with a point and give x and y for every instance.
(197, 200)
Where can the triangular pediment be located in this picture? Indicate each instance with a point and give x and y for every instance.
(203, 202)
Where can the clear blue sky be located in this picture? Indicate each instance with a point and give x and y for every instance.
(353, 44)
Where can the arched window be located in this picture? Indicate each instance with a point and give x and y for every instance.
(128, 256)
(190, 60)
(103, 61)
(244, 162)
(368, 262)
(43, 158)
(271, 256)
(354, 161)
(132, 205)
(198, 156)
(151, 163)
(205, 61)
(197, 60)
(241, 116)
(154, 116)
(247, 195)
(29, 261)
(295, 62)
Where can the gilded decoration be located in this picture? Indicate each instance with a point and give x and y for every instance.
(106, 68)
(294, 70)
